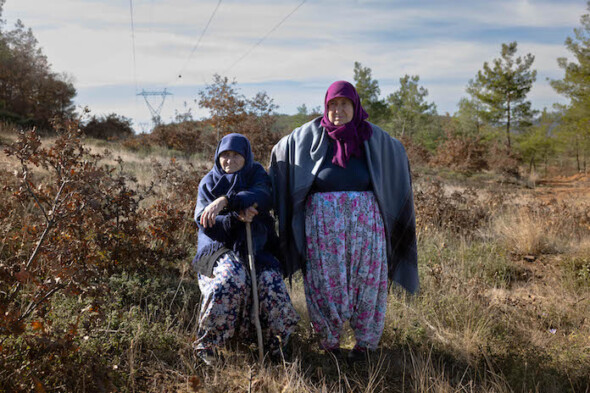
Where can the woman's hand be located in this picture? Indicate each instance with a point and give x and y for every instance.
(212, 210)
(247, 215)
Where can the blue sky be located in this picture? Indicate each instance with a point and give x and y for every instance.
(445, 42)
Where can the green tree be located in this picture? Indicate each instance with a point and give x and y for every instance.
(538, 144)
(410, 114)
(502, 88)
(576, 86)
(30, 93)
(368, 90)
(110, 127)
(468, 118)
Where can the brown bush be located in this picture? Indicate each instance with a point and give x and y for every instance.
(502, 160)
(262, 138)
(462, 153)
(179, 184)
(461, 212)
(188, 137)
(232, 112)
(417, 154)
(68, 227)
(138, 143)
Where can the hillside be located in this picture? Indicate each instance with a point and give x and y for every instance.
(503, 306)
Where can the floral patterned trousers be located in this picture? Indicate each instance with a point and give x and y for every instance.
(346, 268)
(226, 306)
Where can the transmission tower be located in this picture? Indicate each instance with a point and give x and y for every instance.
(155, 111)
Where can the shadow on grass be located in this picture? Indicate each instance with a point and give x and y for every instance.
(415, 368)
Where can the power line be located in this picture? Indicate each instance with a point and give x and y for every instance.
(264, 37)
(133, 41)
(199, 40)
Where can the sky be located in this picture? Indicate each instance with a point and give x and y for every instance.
(291, 49)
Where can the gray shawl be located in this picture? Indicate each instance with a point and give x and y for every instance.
(295, 161)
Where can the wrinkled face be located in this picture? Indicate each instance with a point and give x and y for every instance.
(340, 110)
(231, 161)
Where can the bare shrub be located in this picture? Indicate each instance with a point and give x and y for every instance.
(66, 230)
(138, 143)
(188, 137)
(417, 153)
(232, 112)
(502, 160)
(463, 153)
(461, 212)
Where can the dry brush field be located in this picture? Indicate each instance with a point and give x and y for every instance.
(96, 292)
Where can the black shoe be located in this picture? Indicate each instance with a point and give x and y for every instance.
(357, 356)
(335, 352)
(281, 354)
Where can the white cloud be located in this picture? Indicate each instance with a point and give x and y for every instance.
(444, 42)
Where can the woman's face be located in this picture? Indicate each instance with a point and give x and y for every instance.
(231, 161)
(340, 110)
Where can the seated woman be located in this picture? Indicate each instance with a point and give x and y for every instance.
(238, 190)
(343, 197)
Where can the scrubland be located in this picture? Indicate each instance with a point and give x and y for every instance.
(106, 300)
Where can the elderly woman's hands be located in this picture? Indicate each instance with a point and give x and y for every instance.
(212, 210)
(247, 215)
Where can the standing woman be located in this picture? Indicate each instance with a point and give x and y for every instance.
(237, 190)
(343, 197)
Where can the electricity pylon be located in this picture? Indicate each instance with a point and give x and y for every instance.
(155, 111)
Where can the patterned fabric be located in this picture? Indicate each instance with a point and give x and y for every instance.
(226, 308)
(346, 270)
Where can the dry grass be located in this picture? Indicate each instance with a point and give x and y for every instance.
(139, 165)
(536, 228)
(486, 318)
(523, 232)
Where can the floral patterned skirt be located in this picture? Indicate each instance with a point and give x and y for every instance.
(346, 268)
(226, 306)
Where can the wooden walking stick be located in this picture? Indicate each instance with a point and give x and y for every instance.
(254, 292)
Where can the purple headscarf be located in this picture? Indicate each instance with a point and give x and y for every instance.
(349, 137)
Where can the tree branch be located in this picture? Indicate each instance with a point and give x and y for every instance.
(33, 305)
(50, 223)
(26, 175)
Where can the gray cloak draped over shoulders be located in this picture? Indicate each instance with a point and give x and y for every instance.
(295, 161)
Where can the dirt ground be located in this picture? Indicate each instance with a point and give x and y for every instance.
(573, 188)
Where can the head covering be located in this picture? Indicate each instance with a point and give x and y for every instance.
(225, 183)
(349, 137)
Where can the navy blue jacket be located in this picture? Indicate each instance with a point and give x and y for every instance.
(250, 185)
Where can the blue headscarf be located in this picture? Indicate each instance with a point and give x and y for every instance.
(221, 183)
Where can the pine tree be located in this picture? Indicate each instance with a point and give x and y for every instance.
(576, 86)
(410, 114)
(538, 143)
(502, 89)
(368, 90)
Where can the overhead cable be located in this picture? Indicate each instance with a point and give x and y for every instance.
(264, 37)
(133, 42)
(199, 40)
